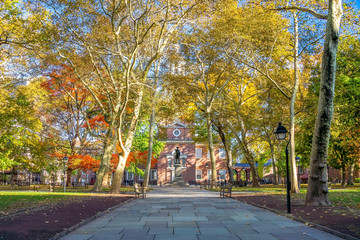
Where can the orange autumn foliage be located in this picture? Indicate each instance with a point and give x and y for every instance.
(86, 162)
(83, 162)
(139, 158)
(96, 122)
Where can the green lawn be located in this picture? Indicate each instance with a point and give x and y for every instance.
(345, 197)
(348, 197)
(11, 201)
(61, 188)
(24, 198)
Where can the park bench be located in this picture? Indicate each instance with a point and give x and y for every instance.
(36, 188)
(139, 191)
(225, 191)
(78, 185)
(203, 185)
(23, 183)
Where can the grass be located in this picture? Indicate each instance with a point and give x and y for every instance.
(12, 201)
(23, 198)
(60, 188)
(348, 197)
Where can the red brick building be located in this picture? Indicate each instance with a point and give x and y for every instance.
(194, 157)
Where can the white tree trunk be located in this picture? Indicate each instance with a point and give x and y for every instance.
(317, 193)
(119, 172)
(151, 142)
(293, 169)
(104, 164)
(211, 150)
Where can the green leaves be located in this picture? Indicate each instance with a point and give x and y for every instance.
(141, 141)
(19, 127)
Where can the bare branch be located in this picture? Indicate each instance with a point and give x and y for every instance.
(302, 9)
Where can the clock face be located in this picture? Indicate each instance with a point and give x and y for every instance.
(176, 132)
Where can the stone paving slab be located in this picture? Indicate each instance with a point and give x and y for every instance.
(193, 214)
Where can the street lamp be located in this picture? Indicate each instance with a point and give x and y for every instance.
(280, 134)
(298, 170)
(65, 161)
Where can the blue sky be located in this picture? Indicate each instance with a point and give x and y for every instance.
(358, 3)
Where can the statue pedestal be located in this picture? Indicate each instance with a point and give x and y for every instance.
(179, 180)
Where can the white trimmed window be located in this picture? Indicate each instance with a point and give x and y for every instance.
(129, 176)
(208, 154)
(198, 174)
(198, 152)
(140, 177)
(153, 174)
(209, 174)
(222, 174)
(170, 162)
(221, 153)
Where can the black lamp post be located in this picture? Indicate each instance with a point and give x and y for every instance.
(65, 161)
(280, 134)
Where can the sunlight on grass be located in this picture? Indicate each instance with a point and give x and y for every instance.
(348, 197)
(12, 201)
(22, 198)
(345, 197)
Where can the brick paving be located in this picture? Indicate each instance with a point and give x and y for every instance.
(190, 213)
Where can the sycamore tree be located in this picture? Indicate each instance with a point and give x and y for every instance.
(242, 110)
(273, 109)
(317, 188)
(112, 45)
(249, 34)
(274, 54)
(344, 141)
(306, 34)
(203, 71)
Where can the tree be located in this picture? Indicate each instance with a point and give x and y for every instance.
(205, 76)
(259, 52)
(18, 128)
(121, 52)
(221, 127)
(273, 109)
(70, 100)
(317, 188)
(344, 149)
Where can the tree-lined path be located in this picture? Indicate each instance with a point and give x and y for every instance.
(187, 213)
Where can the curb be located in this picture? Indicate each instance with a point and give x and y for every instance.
(70, 229)
(310, 224)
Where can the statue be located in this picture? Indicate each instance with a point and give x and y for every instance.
(177, 155)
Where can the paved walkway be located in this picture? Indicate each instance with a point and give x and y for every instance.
(170, 213)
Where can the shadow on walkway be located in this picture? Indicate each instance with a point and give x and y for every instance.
(190, 213)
